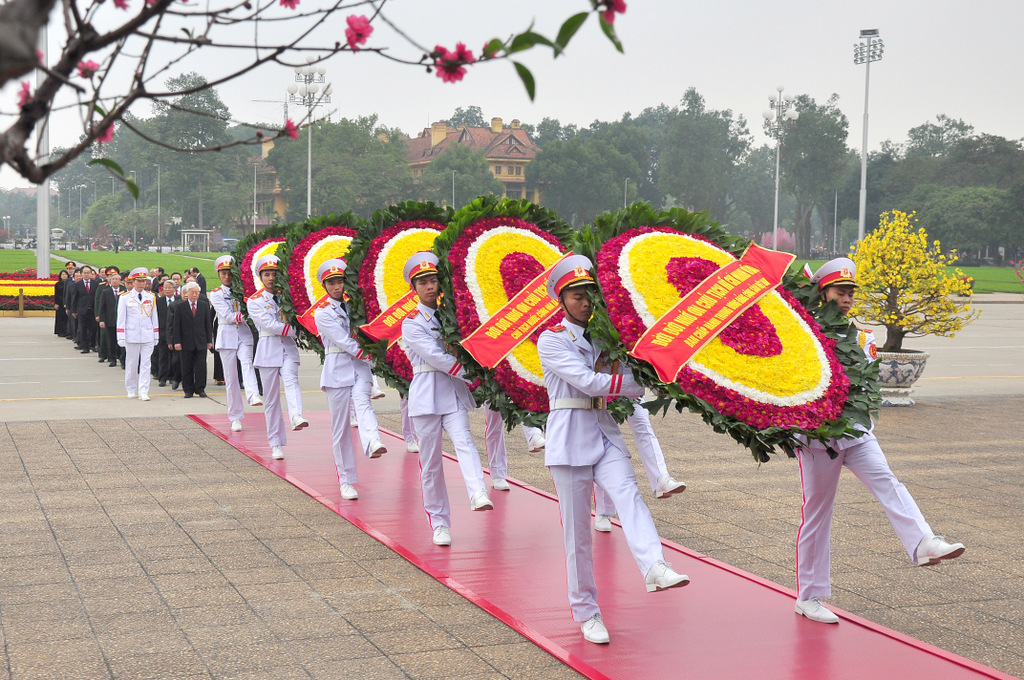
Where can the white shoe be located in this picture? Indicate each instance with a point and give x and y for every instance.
(143, 397)
(412, 447)
(377, 448)
(377, 393)
(535, 445)
(353, 421)
(668, 486)
(500, 484)
(276, 452)
(603, 523)
(480, 501)
(933, 549)
(662, 576)
(236, 425)
(256, 401)
(131, 395)
(594, 630)
(298, 422)
(816, 611)
(442, 536)
(348, 492)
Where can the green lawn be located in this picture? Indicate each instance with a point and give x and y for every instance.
(13, 260)
(986, 279)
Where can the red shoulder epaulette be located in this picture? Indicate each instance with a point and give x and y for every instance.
(412, 314)
(557, 329)
(216, 289)
(255, 295)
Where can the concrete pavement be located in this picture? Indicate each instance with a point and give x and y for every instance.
(138, 545)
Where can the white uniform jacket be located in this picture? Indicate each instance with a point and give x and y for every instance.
(437, 387)
(574, 435)
(343, 358)
(232, 331)
(137, 320)
(866, 340)
(277, 337)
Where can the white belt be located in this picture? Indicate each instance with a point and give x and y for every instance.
(335, 350)
(588, 403)
(264, 334)
(424, 368)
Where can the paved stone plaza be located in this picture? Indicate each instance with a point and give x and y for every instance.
(138, 545)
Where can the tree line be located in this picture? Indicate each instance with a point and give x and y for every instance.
(965, 186)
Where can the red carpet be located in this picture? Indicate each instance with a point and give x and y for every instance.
(726, 624)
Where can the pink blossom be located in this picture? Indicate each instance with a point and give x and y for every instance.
(121, 4)
(106, 135)
(291, 129)
(290, 4)
(87, 69)
(359, 29)
(39, 56)
(24, 94)
(450, 65)
(612, 7)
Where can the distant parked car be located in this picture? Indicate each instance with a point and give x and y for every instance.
(228, 244)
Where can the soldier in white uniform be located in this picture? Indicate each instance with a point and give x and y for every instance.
(361, 413)
(438, 400)
(662, 483)
(277, 357)
(819, 478)
(138, 331)
(584, 448)
(344, 366)
(234, 343)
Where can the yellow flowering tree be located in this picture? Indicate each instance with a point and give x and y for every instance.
(904, 283)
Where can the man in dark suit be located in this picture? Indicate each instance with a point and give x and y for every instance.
(82, 306)
(106, 312)
(167, 358)
(69, 304)
(200, 279)
(192, 335)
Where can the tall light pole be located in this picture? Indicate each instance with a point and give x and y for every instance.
(782, 109)
(865, 53)
(309, 78)
(254, 166)
(158, 206)
(453, 188)
(135, 218)
(625, 191)
(80, 187)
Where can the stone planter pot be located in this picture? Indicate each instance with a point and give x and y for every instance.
(897, 372)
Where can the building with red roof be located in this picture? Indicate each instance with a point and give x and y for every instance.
(508, 151)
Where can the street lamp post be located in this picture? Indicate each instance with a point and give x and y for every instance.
(453, 188)
(309, 78)
(625, 191)
(782, 109)
(865, 53)
(80, 187)
(158, 206)
(135, 218)
(254, 166)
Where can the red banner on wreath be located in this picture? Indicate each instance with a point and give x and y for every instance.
(388, 324)
(307, 320)
(706, 310)
(514, 322)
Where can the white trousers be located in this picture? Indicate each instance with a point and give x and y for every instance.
(574, 485)
(494, 442)
(228, 357)
(529, 432)
(651, 456)
(338, 400)
(369, 429)
(276, 427)
(819, 477)
(137, 358)
(408, 431)
(435, 492)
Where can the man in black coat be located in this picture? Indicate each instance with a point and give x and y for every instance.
(84, 296)
(106, 312)
(192, 335)
(69, 304)
(167, 358)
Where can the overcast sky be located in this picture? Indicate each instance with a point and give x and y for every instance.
(957, 58)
